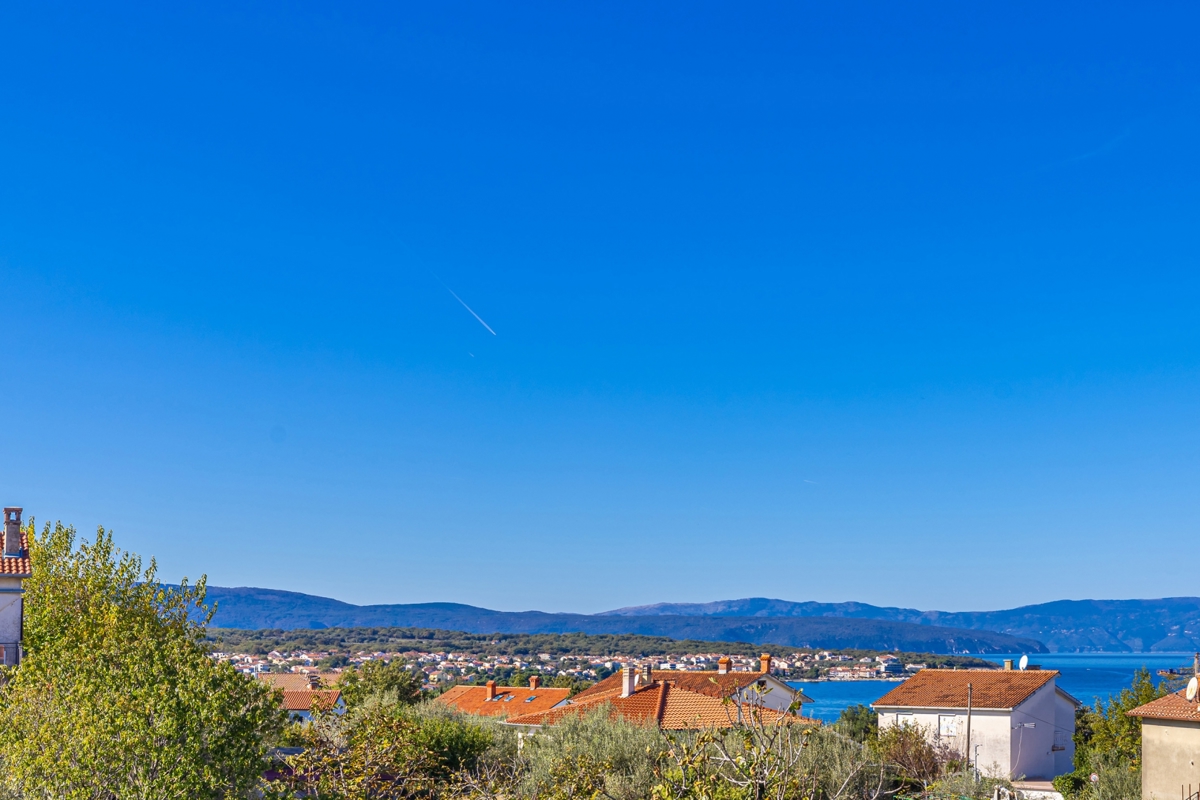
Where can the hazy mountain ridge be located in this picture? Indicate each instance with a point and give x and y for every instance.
(251, 608)
(1170, 624)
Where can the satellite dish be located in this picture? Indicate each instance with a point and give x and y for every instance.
(1193, 685)
(1024, 662)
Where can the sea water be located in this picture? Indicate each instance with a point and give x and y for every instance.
(1085, 676)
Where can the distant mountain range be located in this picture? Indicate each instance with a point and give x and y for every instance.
(270, 608)
(1167, 625)
(1171, 624)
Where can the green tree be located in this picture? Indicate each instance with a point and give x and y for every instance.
(1108, 728)
(859, 722)
(378, 678)
(116, 696)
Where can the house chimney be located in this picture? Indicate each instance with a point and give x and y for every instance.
(12, 532)
(314, 680)
(647, 676)
(491, 690)
(764, 663)
(1008, 665)
(535, 681)
(628, 680)
(722, 665)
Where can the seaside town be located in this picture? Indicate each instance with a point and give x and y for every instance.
(444, 669)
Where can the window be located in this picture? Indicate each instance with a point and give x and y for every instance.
(905, 719)
(947, 725)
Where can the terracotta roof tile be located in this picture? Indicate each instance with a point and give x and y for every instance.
(302, 699)
(706, 682)
(297, 681)
(662, 702)
(18, 566)
(1174, 706)
(947, 688)
(510, 700)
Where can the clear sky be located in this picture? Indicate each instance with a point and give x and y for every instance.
(841, 301)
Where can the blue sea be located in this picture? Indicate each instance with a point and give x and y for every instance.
(1086, 676)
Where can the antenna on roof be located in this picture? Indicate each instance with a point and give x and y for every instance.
(1192, 687)
(1024, 662)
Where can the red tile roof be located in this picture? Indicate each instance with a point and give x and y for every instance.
(706, 682)
(17, 566)
(303, 699)
(510, 700)
(662, 702)
(1173, 706)
(947, 688)
(297, 681)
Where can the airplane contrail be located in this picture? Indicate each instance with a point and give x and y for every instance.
(468, 308)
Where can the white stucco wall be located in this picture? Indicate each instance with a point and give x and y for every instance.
(10, 616)
(777, 694)
(1064, 732)
(989, 729)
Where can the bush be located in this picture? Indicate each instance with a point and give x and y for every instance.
(591, 755)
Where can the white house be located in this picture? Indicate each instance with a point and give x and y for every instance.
(1021, 723)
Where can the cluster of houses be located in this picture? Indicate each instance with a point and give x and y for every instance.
(1014, 723)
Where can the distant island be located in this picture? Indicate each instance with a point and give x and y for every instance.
(249, 608)
(1084, 626)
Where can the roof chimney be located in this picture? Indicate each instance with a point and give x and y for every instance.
(628, 680)
(764, 663)
(723, 665)
(647, 675)
(12, 532)
(314, 680)
(1008, 665)
(535, 681)
(491, 690)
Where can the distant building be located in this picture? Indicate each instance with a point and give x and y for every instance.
(301, 702)
(491, 700)
(1021, 722)
(1170, 747)
(15, 567)
(684, 699)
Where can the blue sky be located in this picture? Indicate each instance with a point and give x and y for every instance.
(873, 302)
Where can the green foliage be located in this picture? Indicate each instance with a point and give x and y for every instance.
(859, 722)
(1119, 778)
(116, 696)
(917, 761)
(377, 678)
(383, 750)
(1108, 728)
(591, 755)
(956, 785)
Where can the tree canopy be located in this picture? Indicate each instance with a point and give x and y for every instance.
(116, 695)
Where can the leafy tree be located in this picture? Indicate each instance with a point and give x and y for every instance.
(1108, 728)
(1108, 741)
(116, 696)
(379, 677)
(383, 751)
(859, 722)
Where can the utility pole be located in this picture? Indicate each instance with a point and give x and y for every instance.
(968, 753)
